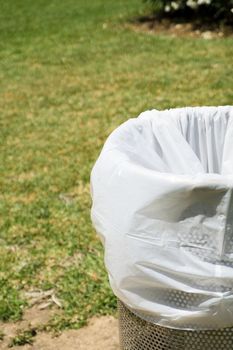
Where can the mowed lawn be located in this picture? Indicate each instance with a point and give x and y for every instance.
(70, 72)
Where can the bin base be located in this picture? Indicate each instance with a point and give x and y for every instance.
(138, 334)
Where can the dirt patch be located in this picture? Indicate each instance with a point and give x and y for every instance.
(33, 318)
(100, 333)
(177, 28)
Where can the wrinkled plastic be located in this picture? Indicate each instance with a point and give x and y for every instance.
(163, 206)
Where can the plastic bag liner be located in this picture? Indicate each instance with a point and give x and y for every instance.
(163, 206)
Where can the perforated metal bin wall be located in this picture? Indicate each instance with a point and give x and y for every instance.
(138, 334)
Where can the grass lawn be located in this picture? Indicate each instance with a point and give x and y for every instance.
(70, 72)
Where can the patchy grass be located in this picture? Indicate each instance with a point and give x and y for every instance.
(70, 73)
(23, 338)
(11, 304)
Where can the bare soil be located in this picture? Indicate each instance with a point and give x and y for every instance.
(101, 333)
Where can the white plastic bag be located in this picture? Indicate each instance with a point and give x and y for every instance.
(163, 206)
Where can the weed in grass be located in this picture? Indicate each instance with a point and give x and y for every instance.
(2, 335)
(23, 337)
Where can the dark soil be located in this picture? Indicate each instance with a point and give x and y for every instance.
(183, 25)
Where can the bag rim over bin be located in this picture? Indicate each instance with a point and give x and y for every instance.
(163, 207)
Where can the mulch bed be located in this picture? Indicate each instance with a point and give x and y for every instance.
(181, 27)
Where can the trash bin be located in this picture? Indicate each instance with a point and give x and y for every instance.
(163, 207)
(138, 334)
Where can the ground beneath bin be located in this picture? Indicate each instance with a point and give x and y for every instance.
(100, 333)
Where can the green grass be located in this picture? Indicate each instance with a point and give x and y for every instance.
(70, 72)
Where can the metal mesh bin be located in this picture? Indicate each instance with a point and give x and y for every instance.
(138, 334)
(162, 191)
